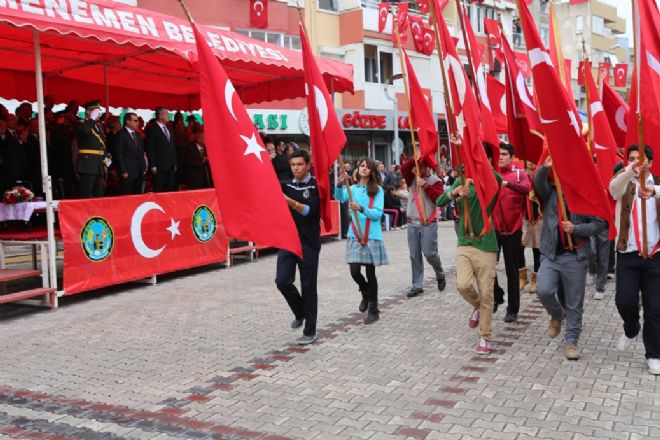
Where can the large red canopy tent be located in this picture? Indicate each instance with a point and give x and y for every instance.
(147, 58)
(84, 50)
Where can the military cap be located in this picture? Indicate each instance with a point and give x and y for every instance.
(92, 104)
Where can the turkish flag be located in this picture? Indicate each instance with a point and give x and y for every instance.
(109, 241)
(467, 122)
(648, 69)
(423, 6)
(603, 142)
(383, 12)
(417, 30)
(488, 126)
(420, 111)
(524, 126)
(327, 138)
(572, 160)
(259, 14)
(492, 28)
(496, 91)
(604, 71)
(402, 20)
(581, 72)
(616, 110)
(620, 75)
(522, 60)
(428, 40)
(249, 195)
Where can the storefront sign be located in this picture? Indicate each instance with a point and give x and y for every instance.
(357, 120)
(276, 121)
(372, 120)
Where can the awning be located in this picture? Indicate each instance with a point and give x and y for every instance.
(146, 56)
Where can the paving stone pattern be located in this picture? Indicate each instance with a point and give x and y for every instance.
(209, 354)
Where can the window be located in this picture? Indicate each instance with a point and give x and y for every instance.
(579, 24)
(598, 25)
(277, 38)
(370, 64)
(377, 65)
(328, 5)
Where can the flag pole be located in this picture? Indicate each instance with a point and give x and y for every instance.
(559, 52)
(640, 121)
(560, 193)
(410, 118)
(449, 112)
(587, 92)
(340, 159)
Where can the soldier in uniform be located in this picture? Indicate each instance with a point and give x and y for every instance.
(92, 159)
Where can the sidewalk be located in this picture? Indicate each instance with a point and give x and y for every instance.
(209, 354)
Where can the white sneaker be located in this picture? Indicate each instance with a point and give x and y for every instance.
(624, 343)
(599, 295)
(654, 366)
(591, 279)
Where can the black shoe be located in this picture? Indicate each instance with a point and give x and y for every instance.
(510, 317)
(442, 283)
(496, 305)
(413, 292)
(373, 314)
(363, 304)
(296, 324)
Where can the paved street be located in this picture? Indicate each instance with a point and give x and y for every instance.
(209, 354)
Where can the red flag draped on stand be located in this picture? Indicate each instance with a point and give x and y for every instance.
(383, 12)
(259, 14)
(620, 75)
(616, 110)
(648, 63)
(417, 30)
(468, 124)
(604, 145)
(326, 135)
(524, 125)
(490, 134)
(428, 39)
(572, 160)
(249, 195)
(420, 110)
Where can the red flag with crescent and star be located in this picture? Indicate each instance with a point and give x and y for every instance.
(620, 75)
(327, 138)
(417, 30)
(249, 195)
(383, 12)
(572, 160)
(616, 110)
(647, 72)
(259, 14)
(468, 125)
(402, 19)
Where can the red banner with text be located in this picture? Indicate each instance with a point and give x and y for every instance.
(111, 241)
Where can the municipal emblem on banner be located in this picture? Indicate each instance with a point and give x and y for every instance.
(97, 239)
(306, 194)
(204, 224)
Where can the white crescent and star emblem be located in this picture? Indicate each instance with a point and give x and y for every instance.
(454, 67)
(481, 84)
(574, 122)
(258, 7)
(252, 147)
(136, 229)
(523, 93)
(382, 15)
(538, 56)
(620, 118)
(321, 107)
(416, 29)
(428, 39)
(600, 147)
(620, 72)
(229, 98)
(596, 107)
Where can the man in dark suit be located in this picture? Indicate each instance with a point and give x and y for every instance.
(129, 156)
(14, 153)
(33, 152)
(92, 159)
(161, 152)
(196, 162)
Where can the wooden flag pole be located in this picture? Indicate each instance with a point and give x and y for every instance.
(560, 193)
(585, 66)
(340, 159)
(640, 124)
(450, 115)
(410, 118)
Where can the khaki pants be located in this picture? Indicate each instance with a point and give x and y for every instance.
(473, 264)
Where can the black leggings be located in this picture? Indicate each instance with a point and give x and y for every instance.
(370, 284)
(537, 258)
